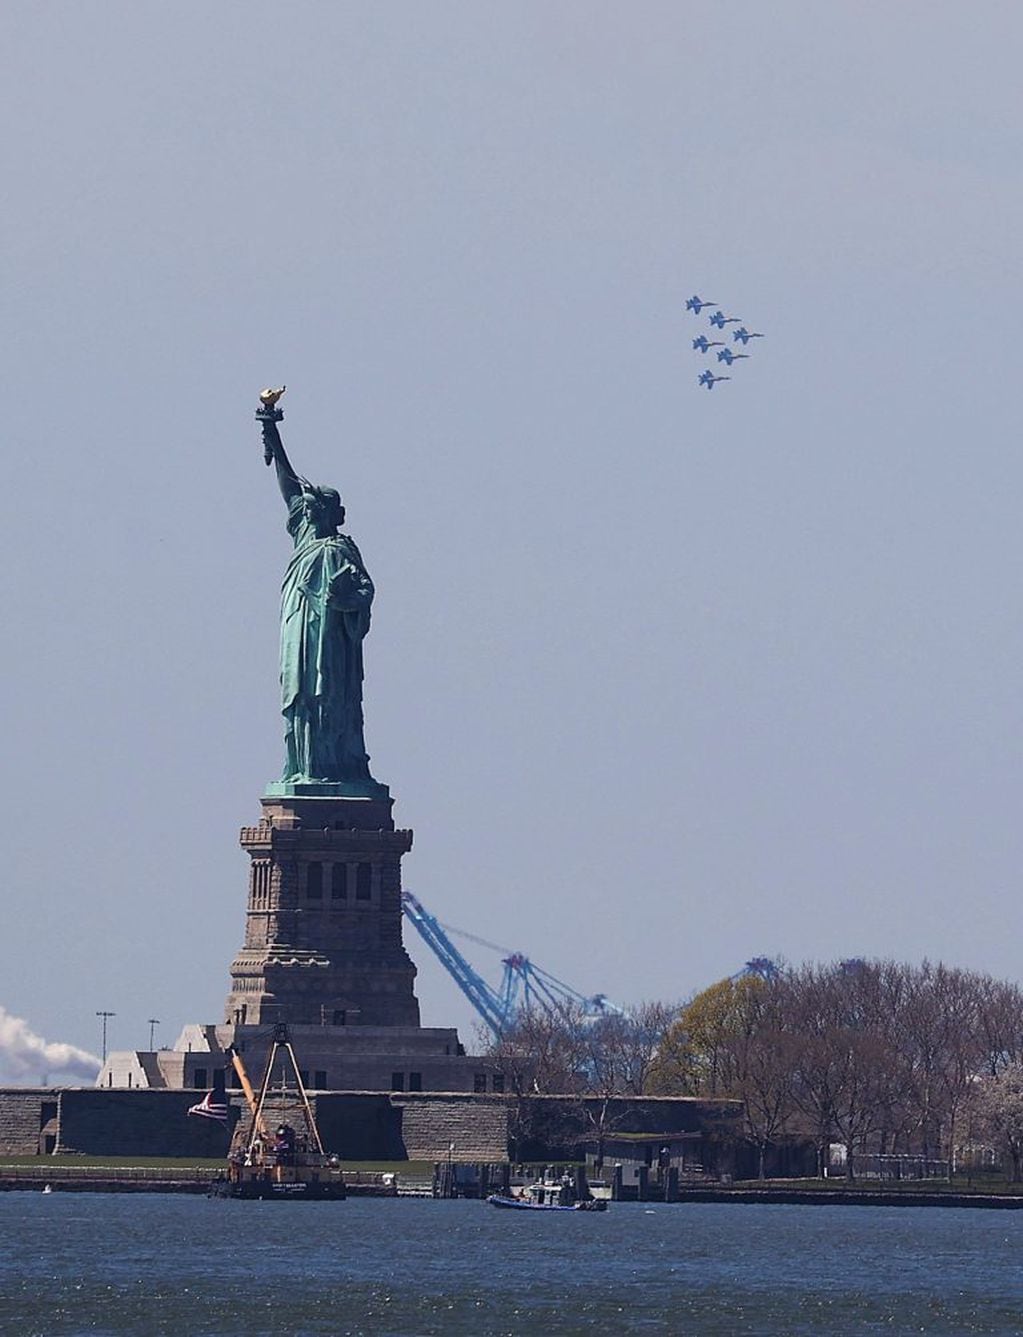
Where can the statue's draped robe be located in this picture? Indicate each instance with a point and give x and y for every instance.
(325, 613)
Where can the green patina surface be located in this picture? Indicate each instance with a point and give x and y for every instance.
(326, 598)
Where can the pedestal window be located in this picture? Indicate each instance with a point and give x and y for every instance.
(314, 881)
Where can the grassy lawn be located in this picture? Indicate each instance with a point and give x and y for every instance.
(109, 1162)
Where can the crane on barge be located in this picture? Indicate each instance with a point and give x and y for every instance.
(279, 1164)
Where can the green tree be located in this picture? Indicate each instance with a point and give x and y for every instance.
(702, 1050)
(731, 1041)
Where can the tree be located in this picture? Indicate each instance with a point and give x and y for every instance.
(998, 1104)
(540, 1054)
(543, 1051)
(845, 1065)
(589, 1061)
(700, 1051)
(564, 1051)
(938, 1034)
(623, 1048)
(763, 1067)
(731, 1041)
(1000, 1023)
(878, 1055)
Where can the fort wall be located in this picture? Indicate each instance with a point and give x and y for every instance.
(358, 1125)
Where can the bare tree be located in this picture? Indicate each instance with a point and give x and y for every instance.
(543, 1052)
(624, 1048)
(763, 1064)
(1000, 1020)
(591, 1062)
(846, 1065)
(958, 995)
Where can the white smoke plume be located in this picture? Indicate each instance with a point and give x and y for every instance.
(27, 1059)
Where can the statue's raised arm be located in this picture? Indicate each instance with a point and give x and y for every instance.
(268, 415)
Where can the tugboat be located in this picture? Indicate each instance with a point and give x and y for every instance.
(283, 1163)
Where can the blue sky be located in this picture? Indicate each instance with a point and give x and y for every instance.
(662, 679)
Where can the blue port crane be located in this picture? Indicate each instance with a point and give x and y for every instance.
(523, 985)
(760, 967)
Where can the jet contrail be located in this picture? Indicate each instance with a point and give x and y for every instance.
(26, 1057)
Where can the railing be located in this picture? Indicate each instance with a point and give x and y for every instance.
(51, 1173)
(263, 835)
(872, 1165)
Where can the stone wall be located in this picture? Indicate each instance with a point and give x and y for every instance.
(138, 1123)
(363, 1126)
(382, 1126)
(357, 1125)
(558, 1127)
(474, 1127)
(21, 1119)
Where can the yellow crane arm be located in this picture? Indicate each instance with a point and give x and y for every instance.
(250, 1095)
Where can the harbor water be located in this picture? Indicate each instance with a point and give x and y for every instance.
(149, 1264)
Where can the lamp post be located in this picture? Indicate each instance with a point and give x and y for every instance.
(105, 1015)
(153, 1022)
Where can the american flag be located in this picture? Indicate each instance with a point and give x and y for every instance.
(212, 1106)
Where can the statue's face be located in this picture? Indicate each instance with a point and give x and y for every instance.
(324, 510)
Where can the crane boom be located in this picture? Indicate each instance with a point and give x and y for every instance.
(484, 999)
(760, 967)
(250, 1095)
(523, 984)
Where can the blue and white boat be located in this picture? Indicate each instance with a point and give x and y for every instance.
(548, 1195)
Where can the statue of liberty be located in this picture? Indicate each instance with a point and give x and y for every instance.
(325, 614)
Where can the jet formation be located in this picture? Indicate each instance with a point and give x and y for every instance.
(727, 355)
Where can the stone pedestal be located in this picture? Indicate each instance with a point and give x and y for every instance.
(323, 943)
(323, 953)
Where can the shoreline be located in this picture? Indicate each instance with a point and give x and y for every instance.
(66, 1179)
(853, 1197)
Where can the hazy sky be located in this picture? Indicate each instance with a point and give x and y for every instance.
(661, 679)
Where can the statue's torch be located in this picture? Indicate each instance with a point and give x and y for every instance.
(268, 413)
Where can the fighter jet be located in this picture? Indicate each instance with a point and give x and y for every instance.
(696, 304)
(703, 343)
(743, 335)
(726, 355)
(710, 380)
(721, 320)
